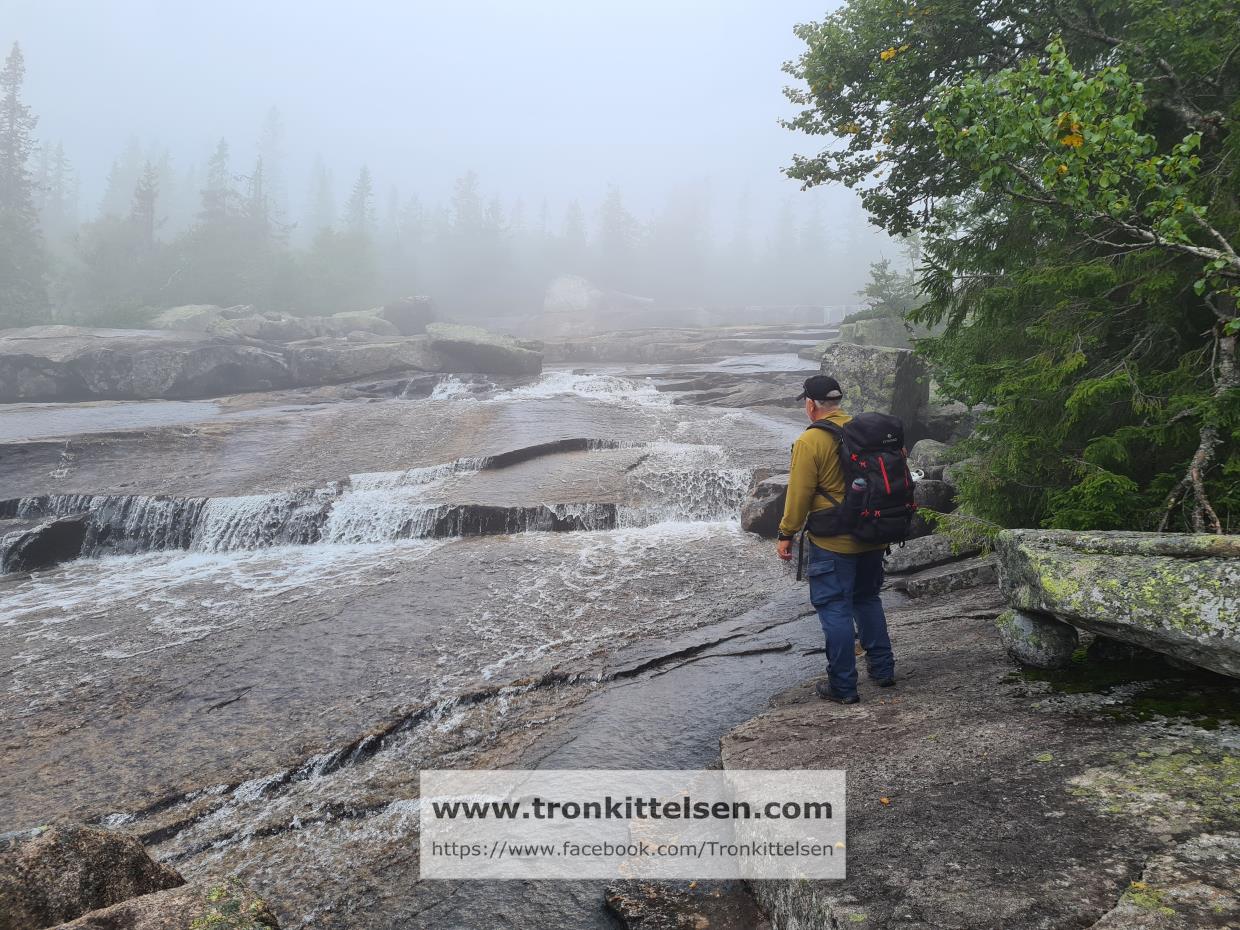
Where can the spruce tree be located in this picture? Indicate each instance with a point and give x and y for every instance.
(23, 262)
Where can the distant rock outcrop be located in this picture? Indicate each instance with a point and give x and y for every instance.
(73, 363)
(70, 363)
(574, 306)
(410, 315)
(483, 351)
(1177, 594)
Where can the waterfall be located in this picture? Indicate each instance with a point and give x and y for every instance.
(671, 482)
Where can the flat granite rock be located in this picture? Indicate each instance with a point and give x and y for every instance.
(980, 800)
(1174, 593)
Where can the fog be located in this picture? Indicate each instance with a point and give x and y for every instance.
(535, 113)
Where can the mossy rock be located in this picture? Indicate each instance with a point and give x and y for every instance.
(1176, 594)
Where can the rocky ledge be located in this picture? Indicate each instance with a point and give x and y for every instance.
(1101, 796)
(1174, 593)
(72, 363)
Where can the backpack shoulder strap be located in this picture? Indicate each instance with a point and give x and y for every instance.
(841, 448)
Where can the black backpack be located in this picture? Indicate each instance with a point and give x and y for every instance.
(878, 503)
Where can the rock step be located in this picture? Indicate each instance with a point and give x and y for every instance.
(970, 573)
(926, 552)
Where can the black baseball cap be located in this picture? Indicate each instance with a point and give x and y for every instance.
(821, 388)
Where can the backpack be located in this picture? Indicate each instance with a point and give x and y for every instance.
(878, 503)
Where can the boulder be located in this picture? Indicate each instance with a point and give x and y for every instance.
(875, 378)
(883, 331)
(55, 874)
(929, 452)
(1036, 640)
(333, 360)
(191, 317)
(42, 546)
(764, 506)
(953, 472)
(951, 421)
(361, 321)
(477, 350)
(936, 495)
(72, 363)
(410, 315)
(1178, 594)
(268, 327)
(226, 905)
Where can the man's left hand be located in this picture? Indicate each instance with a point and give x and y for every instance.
(783, 549)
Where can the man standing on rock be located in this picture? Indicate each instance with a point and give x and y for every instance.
(844, 574)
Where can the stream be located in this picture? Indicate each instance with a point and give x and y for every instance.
(282, 616)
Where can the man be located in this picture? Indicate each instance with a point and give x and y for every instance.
(844, 574)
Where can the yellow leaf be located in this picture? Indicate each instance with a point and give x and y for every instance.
(1073, 140)
(1062, 169)
(887, 54)
(884, 801)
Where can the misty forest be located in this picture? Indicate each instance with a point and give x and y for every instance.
(409, 387)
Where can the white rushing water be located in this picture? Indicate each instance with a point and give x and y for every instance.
(610, 389)
(669, 482)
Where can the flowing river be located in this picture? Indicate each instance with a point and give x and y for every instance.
(286, 611)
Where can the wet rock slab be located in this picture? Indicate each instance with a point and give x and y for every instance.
(977, 799)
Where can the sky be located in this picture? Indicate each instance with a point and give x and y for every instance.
(543, 98)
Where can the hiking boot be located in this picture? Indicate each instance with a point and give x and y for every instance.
(885, 682)
(824, 691)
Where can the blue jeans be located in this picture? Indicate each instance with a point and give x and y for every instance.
(845, 588)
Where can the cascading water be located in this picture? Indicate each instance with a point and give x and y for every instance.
(671, 482)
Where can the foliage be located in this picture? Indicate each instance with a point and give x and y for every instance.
(23, 287)
(1072, 168)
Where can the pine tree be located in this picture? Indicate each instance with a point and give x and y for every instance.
(23, 262)
(359, 212)
(271, 153)
(322, 200)
(574, 246)
(142, 214)
(616, 244)
(219, 196)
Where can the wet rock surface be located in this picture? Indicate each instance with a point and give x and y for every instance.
(267, 637)
(43, 545)
(52, 875)
(978, 798)
(764, 506)
(1173, 593)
